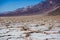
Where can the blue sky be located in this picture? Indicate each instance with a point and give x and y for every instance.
(10, 5)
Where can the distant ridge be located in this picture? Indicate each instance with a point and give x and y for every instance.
(38, 9)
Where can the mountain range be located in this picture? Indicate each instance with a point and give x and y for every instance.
(40, 8)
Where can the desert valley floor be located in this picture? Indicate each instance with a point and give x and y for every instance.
(30, 28)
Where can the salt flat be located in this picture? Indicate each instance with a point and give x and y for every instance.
(30, 28)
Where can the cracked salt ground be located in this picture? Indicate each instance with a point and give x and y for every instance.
(29, 31)
(44, 36)
(3, 31)
(36, 27)
(13, 34)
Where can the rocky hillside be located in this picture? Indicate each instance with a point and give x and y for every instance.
(55, 12)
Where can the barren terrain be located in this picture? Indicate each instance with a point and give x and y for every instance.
(30, 28)
(38, 22)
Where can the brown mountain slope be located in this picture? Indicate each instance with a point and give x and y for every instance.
(55, 12)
